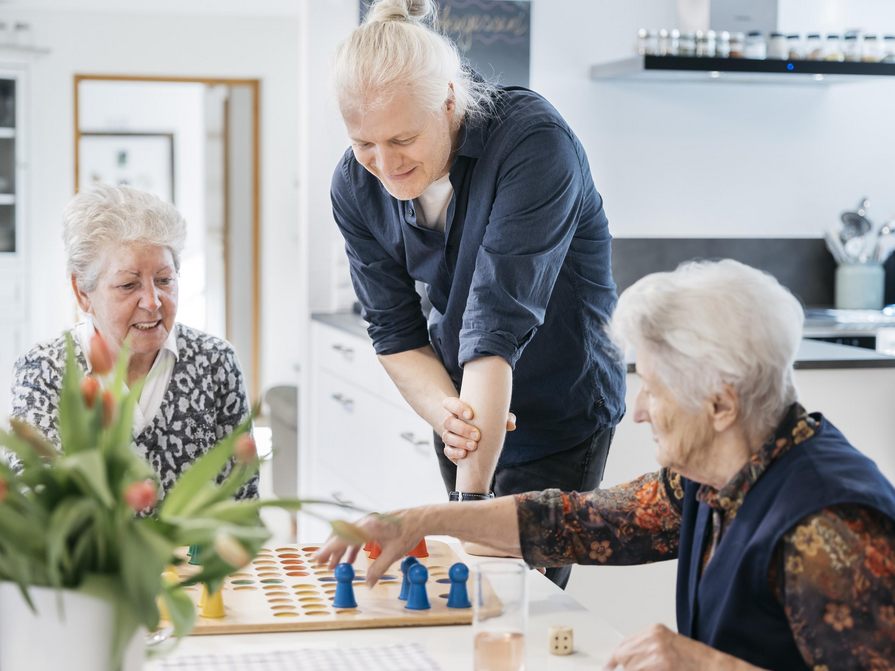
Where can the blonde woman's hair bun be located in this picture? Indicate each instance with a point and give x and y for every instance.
(418, 11)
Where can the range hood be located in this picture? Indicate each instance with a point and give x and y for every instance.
(765, 71)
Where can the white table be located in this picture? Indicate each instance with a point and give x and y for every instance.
(450, 646)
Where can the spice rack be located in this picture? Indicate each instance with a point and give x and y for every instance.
(768, 71)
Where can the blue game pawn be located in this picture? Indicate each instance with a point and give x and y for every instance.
(344, 597)
(458, 597)
(405, 580)
(417, 599)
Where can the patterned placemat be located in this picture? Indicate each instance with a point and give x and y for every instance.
(397, 657)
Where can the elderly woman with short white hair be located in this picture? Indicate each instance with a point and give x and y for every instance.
(784, 533)
(123, 250)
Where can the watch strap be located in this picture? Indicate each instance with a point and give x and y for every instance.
(470, 496)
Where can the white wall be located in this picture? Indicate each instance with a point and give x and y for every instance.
(212, 46)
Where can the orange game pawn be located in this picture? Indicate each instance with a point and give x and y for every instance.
(420, 550)
(373, 551)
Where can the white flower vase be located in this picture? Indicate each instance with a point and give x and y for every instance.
(70, 630)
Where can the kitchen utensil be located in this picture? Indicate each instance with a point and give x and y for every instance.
(854, 248)
(885, 242)
(834, 244)
(854, 225)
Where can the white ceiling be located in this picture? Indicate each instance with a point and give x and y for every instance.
(214, 7)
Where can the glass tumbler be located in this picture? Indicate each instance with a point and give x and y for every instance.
(500, 612)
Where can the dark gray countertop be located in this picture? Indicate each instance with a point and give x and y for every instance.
(812, 354)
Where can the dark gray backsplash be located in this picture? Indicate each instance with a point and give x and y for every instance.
(803, 265)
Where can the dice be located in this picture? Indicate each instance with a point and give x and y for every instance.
(560, 640)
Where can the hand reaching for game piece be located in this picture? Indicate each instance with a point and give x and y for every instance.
(396, 533)
(459, 436)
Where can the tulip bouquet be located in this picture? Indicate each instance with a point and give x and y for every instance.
(88, 517)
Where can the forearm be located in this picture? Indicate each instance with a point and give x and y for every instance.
(487, 388)
(423, 382)
(632, 523)
(492, 523)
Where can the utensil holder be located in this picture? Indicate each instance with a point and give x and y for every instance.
(860, 286)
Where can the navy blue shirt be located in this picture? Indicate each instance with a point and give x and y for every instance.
(521, 271)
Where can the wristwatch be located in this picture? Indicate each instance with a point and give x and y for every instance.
(470, 496)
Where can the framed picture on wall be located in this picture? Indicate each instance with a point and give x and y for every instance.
(141, 160)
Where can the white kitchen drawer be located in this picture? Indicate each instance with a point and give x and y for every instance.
(352, 358)
(383, 453)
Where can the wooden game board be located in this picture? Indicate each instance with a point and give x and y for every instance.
(283, 590)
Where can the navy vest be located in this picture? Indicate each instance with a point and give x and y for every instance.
(731, 607)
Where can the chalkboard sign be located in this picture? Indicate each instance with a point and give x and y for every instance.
(492, 35)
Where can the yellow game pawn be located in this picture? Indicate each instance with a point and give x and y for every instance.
(169, 577)
(212, 605)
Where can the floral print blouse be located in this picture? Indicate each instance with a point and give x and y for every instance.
(842, 550)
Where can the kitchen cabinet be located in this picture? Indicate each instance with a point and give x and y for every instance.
(13, 260)
(366, 445)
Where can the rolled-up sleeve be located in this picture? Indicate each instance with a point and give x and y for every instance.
(385, 290)
(529, 230)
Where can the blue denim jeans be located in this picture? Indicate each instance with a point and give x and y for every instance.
(579, 469)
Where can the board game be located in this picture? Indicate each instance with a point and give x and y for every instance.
(283, 589)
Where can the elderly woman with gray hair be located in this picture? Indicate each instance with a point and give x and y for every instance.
(784, 532)
(123, 249)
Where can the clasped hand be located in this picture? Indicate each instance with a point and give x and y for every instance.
(459, 435)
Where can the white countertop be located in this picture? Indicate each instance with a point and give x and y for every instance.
(451, 647)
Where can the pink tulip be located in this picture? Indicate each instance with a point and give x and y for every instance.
(245, 449)
(100, 356)
(108, 408)
(140, 495)
(89, 390)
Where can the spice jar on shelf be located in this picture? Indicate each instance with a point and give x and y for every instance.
(755, 47)
(705, 44)
(851, 47)
(888, 49)
(794, 47)
(652, 42)
(814, 47)
(833, 48)
(641, 42)
(777, 46)
(687, 45)
(722, 44)
(664, 44)
(872, 51)
(674, 38)
(737, 45)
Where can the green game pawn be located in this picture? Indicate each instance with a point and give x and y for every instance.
(194, 554)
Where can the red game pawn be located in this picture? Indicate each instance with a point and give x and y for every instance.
(420, 550)
(374, 551)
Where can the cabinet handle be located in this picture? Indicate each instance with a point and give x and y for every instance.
(419, 443)
(344, 401)
(344, 350)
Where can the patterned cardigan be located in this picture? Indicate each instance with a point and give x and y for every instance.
(205, 400)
